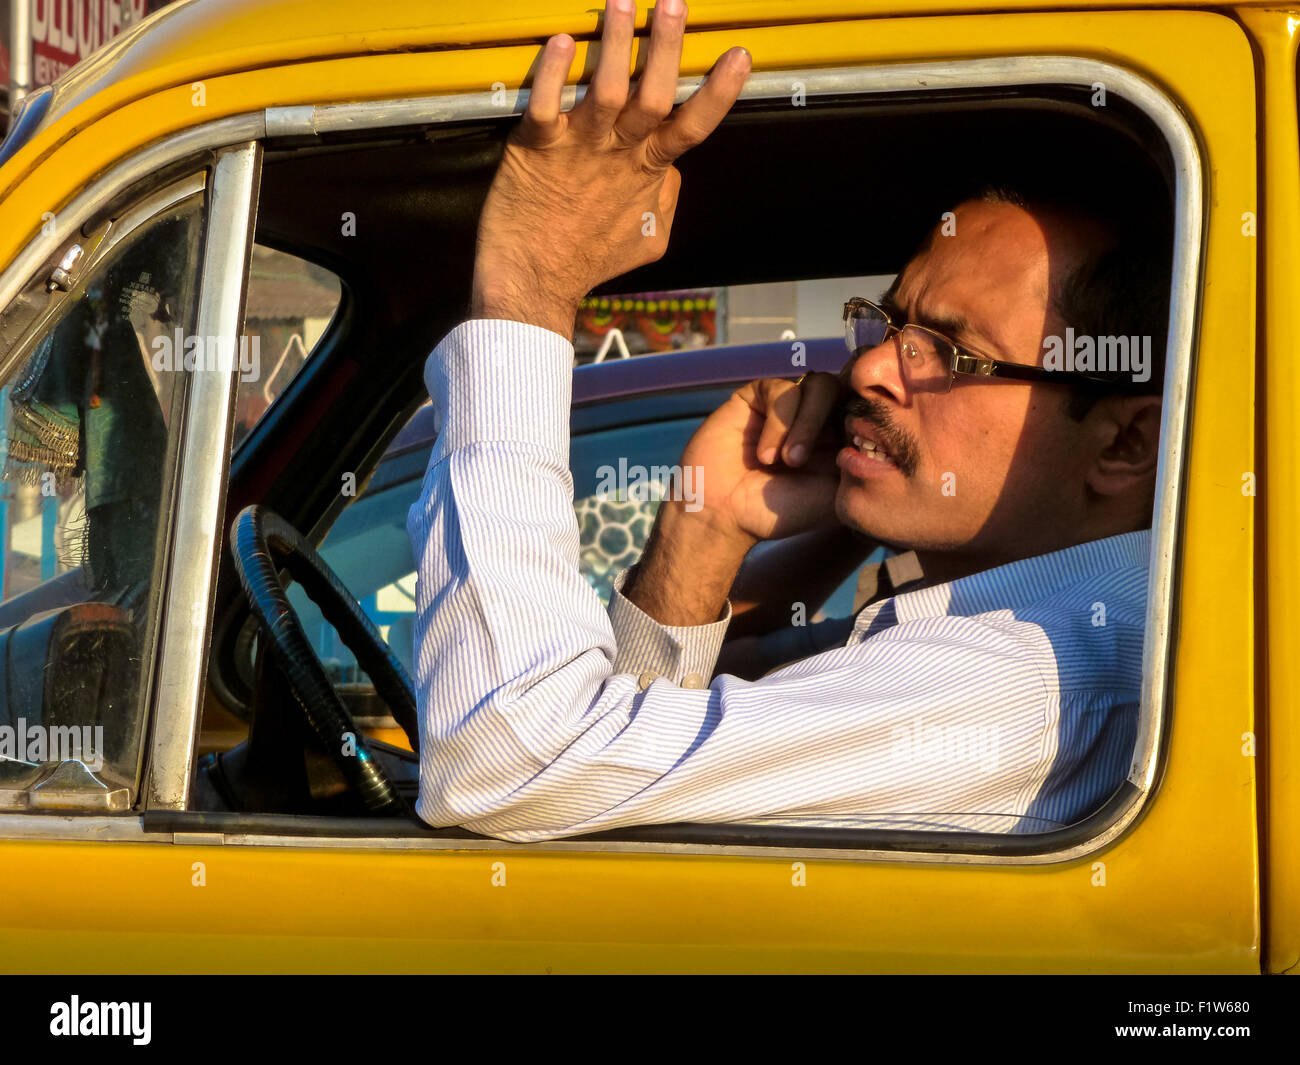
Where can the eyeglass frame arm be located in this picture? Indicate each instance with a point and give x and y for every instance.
(981, 366)
(971, 364)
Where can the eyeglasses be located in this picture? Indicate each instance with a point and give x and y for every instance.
(929, 361)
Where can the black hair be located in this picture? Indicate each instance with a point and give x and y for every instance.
(1121, 285)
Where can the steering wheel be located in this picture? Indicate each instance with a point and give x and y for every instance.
(261, 541)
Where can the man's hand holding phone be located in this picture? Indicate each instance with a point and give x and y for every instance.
(765, 469)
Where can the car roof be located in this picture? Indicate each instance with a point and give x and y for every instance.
(190, 40)
(701, 367)
(643, 376)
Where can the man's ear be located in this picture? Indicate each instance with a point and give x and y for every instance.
(1126, 430)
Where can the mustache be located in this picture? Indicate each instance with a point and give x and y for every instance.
(901, 444)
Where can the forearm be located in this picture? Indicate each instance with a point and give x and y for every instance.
(687, 569)
(690, 568)
(516, 296)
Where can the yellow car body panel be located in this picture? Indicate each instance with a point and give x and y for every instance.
(188, 40)
(1179, 892)
(1277, 34)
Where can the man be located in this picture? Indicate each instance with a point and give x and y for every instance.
(986, 697)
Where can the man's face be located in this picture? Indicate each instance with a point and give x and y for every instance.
(991, 467)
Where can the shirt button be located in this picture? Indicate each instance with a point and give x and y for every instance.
(692, 680)
(646, 679)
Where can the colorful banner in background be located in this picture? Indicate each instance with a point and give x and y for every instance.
(650, 322)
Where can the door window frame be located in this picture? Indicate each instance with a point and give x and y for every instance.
(173, 749)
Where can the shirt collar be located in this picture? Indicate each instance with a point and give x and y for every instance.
(1016, 584)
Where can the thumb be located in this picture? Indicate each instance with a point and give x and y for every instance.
(668, 193)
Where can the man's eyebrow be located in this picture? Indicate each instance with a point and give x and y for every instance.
(954, 326)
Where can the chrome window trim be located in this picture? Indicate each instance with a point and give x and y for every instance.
(201, 494)
(71, 216)
(1025, 71)
(73, 827)
(146, 210)
(155, 204)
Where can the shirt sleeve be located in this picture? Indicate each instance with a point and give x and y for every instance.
(537, 717)
(684, 654)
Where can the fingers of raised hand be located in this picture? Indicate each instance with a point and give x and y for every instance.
(606, 96)
(542, 122)
(699, 116)
(656, 89)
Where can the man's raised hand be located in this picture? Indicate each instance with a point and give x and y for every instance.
(584, 196)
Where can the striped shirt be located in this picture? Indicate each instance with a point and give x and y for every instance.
(1006, 701)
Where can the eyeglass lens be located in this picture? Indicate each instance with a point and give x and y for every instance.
(924, 359)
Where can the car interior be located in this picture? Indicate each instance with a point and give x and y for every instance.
(840, 186)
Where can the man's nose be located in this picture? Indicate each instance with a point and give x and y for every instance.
(877, 370)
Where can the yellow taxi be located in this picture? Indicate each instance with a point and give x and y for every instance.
(307, 176)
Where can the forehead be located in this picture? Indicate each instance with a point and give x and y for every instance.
(996, 269)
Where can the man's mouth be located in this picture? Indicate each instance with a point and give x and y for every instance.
(876, 447)
(872, 449)
(867, 439)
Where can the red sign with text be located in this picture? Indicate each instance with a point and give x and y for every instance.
(65, 31)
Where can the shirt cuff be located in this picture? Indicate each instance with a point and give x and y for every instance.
(491, 379)
(684, 654)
